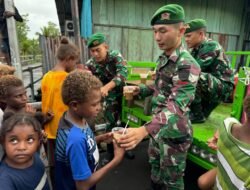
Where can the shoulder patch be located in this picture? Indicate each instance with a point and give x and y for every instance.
(183, 72)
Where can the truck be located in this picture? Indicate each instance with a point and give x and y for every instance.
(137, 112)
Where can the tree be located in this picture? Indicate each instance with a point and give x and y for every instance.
(23, 29)
(27, 46)
(49, 31)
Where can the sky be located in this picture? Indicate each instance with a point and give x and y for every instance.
(40, 13)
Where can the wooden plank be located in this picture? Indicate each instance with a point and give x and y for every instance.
(103, 17)
(146, 47)
(223, 17)
(125, 42)
(111, 11)
(133, 47)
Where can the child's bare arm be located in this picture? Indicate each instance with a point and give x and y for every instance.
(48, 117)
(207, 180)
(107, 137)
(43, 118)
(99, 174)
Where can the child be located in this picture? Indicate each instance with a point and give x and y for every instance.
(21, 167)
(4, 70)
(233, 155)
(76, 156)
(67, 56)
(13, 94)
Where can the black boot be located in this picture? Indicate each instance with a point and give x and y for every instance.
(210, 108)
(196, 115)
(197, 118)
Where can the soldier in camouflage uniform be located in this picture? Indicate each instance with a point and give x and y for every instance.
(216, 79)
(170, 129)
(110, 67)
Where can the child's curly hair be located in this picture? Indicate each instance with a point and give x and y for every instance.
(8, 81)
(6, 70)
(77, 86)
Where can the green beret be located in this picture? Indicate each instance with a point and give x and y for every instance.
(195, 24)
(96, 39)
(168, 14)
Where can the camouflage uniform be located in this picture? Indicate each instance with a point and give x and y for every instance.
(216, 79)
(170, 128)
(114, 68)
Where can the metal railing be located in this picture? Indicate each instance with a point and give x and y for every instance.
(32, 83)
(30, 59)
(29, 64)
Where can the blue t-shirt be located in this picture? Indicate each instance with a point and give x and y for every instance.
(76, 155)
(22, 179)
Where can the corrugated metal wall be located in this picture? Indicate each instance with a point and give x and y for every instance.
(127, 23)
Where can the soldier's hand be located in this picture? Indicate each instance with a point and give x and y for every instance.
(104, 91)
(132, 138)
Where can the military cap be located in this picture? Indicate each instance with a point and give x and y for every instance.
(195, 24)
(96, 39)
(168, 14)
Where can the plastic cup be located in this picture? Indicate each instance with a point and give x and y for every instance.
(128, 95)
(117, 132)
(143, 78)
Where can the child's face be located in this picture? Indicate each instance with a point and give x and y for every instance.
(20, 144)
(17, 97)
(91, 107)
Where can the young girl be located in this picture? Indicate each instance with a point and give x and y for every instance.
(21, 167)
(67, 57)
(13, 94)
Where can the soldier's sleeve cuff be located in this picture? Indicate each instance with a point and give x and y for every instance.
(152, 128)
(117, 81)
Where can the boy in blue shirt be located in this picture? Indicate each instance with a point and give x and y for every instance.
(77, 156)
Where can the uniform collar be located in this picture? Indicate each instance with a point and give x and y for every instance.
(174, 56)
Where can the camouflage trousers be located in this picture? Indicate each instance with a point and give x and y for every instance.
(168, 152)
(210, 91)
(112, 110)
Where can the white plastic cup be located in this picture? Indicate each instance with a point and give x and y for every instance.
(117, 132)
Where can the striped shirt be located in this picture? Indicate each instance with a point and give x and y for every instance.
(233, 160)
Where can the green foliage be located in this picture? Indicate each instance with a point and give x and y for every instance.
(50, 30)
(23, 28)
(27, 46)
(31, 46)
